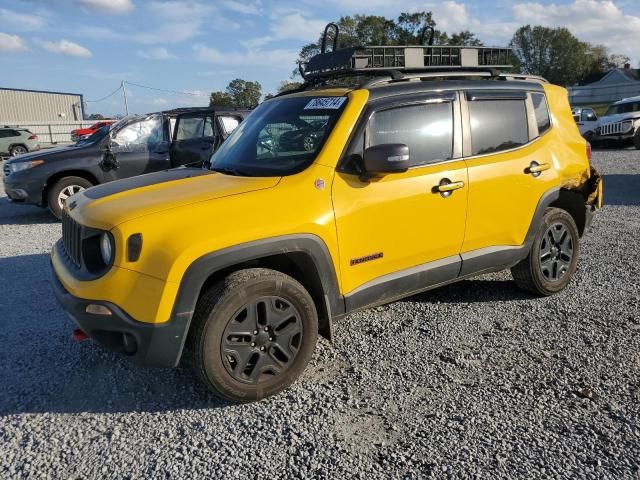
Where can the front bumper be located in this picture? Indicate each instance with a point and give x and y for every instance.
(152, 345)
(624, 137)
(25, 192)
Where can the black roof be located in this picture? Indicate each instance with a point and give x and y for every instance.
(399, 88)
(180, 111)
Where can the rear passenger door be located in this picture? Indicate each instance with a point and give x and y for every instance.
(506, 133)
(194, 138)
(398, 223)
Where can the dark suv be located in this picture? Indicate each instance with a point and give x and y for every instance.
(135, 145)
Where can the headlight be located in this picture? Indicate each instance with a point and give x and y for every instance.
(19, 166)
(106, 248)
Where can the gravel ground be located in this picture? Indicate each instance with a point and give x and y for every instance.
(472, 380)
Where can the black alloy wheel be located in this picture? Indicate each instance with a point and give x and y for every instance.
(262, 339)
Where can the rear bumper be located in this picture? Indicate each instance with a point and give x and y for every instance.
(152, 345)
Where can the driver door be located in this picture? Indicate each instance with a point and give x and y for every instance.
(139, 147)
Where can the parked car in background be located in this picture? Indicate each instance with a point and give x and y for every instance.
(586, 120)
(17, 141)
(620, 124)
(81, 133)
(135, 145)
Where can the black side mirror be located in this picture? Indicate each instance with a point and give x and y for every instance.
(387, 158)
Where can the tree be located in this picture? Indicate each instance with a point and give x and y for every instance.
(560, 57)
(466, 38)
(221, 99)
(96, 116)
(239, 93)
(553, 53)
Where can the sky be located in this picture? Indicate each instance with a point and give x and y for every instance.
(195, 47)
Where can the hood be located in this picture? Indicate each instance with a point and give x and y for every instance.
(110, 204)
(619, 117)
(46, 153)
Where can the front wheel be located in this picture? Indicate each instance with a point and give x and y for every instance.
(553, 256)
(62, 190)
(636, 140)
(253, 334)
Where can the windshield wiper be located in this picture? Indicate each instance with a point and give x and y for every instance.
(230, 171)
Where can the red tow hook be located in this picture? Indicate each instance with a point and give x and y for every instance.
(79, 336)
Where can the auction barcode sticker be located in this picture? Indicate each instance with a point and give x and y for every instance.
(325, 103)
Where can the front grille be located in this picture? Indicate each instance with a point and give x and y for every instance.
(72, 239)
(6, 170)
(616, 128)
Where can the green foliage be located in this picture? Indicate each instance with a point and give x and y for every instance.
(559, 56)
(239, 93)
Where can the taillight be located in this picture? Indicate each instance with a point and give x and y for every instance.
(589, 152)
(33, 137)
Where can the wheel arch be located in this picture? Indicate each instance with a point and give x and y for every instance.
(573, 202)
(19, 144)
(306, 258)
(52, 179)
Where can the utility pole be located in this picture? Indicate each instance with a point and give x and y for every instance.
(124, 92)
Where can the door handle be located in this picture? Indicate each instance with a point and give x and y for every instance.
(446, 187)
(535, 168)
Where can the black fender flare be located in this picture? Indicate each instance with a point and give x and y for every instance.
(209, 264)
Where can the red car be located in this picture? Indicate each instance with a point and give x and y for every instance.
(84, 132)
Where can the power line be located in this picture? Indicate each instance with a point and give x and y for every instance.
(104, 98)
(194, 94)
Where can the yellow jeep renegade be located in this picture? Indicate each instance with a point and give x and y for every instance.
(326, 201)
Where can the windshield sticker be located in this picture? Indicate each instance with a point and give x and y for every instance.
(325, 103)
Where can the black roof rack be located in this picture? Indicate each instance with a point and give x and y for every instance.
(402, 62)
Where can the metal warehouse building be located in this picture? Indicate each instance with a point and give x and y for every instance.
(51, 115)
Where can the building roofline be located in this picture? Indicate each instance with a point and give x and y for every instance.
(40, 91)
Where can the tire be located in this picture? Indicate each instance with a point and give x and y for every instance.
(636, 140)
(62, 189)
(553, 256)
(274, 347)
(18, 150)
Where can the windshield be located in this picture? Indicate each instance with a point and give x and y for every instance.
(281, 137)
(623, 108)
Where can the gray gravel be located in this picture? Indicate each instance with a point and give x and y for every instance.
(472, 380)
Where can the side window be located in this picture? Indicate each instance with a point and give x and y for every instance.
(497, 125)
(542, 112)
(189, 128)
(139, 136)
(427, 129)
(229, 124)
(588, 115)
(5, 133)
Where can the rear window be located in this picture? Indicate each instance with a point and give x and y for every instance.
(427, 130)
(497, 125)
(541, 111)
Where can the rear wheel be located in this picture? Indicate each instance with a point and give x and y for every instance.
(253, 334)
(553, 257)
(18, 150)
(62, 190)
